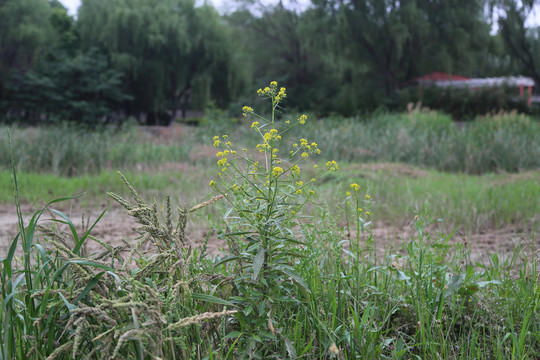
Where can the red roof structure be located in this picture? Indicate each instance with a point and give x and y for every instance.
(445, 80)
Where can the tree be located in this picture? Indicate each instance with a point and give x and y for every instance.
(81, 89)
(281, 43)
(399, 40)
(165, 48)
(522, 42)
(24, 33)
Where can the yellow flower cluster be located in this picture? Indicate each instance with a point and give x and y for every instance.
(312, 148)
(355, 186)
(272, 92)
(216, 141)
(276, 171)
(332, 166)
(302, 119)
(247, 110)
(280, 95)
(268, 137)
(255, 124)
(264, 92)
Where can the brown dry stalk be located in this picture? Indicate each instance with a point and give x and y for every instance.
(206, 203)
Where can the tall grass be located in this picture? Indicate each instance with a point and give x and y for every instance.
(71, 151)
(507, 142)
(504, 142)
(426, 301)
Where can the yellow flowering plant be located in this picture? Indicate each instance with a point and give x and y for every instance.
(267, 192)
(358, 207)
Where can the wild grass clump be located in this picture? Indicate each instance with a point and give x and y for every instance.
(495, 143)
(290, 284)
(69, 150)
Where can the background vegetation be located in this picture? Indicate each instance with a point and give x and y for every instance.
(155, 60)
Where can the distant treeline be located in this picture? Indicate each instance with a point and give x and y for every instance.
(155, 59)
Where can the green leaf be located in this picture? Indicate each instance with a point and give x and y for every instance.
(85, 235)
(71, 227)
(234, 334)
(258, 262)
(226, 260)
(290, 348)
(69, 305)
(483, 284)
(403, 277)
(211, 299)
(298, 280)
(89, 286)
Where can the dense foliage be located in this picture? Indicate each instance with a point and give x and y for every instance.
(159, 59)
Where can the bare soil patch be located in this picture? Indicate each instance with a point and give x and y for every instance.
(117, 225)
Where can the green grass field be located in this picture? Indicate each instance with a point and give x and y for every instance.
(304, 274)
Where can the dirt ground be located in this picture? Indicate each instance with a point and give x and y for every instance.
(117, 225)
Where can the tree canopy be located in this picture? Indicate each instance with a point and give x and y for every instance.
(164, 57)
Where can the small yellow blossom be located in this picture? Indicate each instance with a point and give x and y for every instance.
(302, 119)
(348, 193)
(280, 95)
(273, 84)
(332, 166)
(360, 210)
(247, 110)
(299, 183)
(311, 192)
(212, 183)
(368, 213)
(277, 171)
(305, 155)
(368, 197)
(355, 186)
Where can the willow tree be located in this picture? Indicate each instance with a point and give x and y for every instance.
(165, 48)
(522, 42)
(398, 40)
(24, 33)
